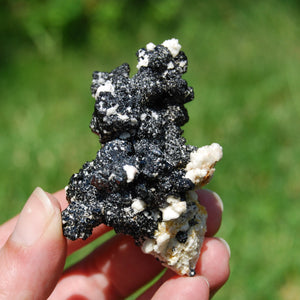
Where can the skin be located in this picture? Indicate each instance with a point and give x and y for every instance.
(33, 252)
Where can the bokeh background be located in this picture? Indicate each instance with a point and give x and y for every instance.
(244, 65)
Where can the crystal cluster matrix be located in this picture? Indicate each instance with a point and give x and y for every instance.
(142, 180)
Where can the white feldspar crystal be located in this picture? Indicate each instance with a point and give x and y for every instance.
(143, 117)
(130, 172)
(201, 166)
(182, 64)
(171, 65)
(122, 117)
(174, 210)
(106, 87)
(180, 256)
(150, 46)
(173, 46)
(138, 205)
(112, 110)
(143, 59)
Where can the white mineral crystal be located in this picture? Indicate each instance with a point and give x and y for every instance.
(173, 46)
(201, 166)
(130, 172)
(174, 210)
(180, 256)
(112, 110)
(170, 65)
(143, 59)
(122, 117)
(150, 46)
(106, 87)
(138, 205)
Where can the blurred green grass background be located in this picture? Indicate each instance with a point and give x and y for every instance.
(244, 65)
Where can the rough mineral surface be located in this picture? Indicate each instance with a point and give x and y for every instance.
(143, 178)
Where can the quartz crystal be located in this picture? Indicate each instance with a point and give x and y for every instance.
(143, 179)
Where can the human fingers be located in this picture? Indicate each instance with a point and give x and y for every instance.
(213, 263)
(33, 257)
(113, 271)
(6, 229)
(212, 268)
(214, 207)
(118, 268)
(181, 288)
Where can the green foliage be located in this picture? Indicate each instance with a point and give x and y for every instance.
(244, 67)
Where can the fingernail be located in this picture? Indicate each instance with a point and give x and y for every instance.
(205, 279)
(33, 219)
(219, 200)
(225, 244)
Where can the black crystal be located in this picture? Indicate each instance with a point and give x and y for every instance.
(138, 122)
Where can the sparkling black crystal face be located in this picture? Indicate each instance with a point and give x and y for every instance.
(182, 236)
(143, 154)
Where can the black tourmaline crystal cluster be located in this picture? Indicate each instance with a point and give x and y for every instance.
(143, 154)
(139, 178)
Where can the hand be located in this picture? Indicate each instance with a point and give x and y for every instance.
(33, 252)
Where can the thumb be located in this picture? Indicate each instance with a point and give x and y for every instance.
(32, 259)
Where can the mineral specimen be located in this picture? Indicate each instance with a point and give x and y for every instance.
(142, 180)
